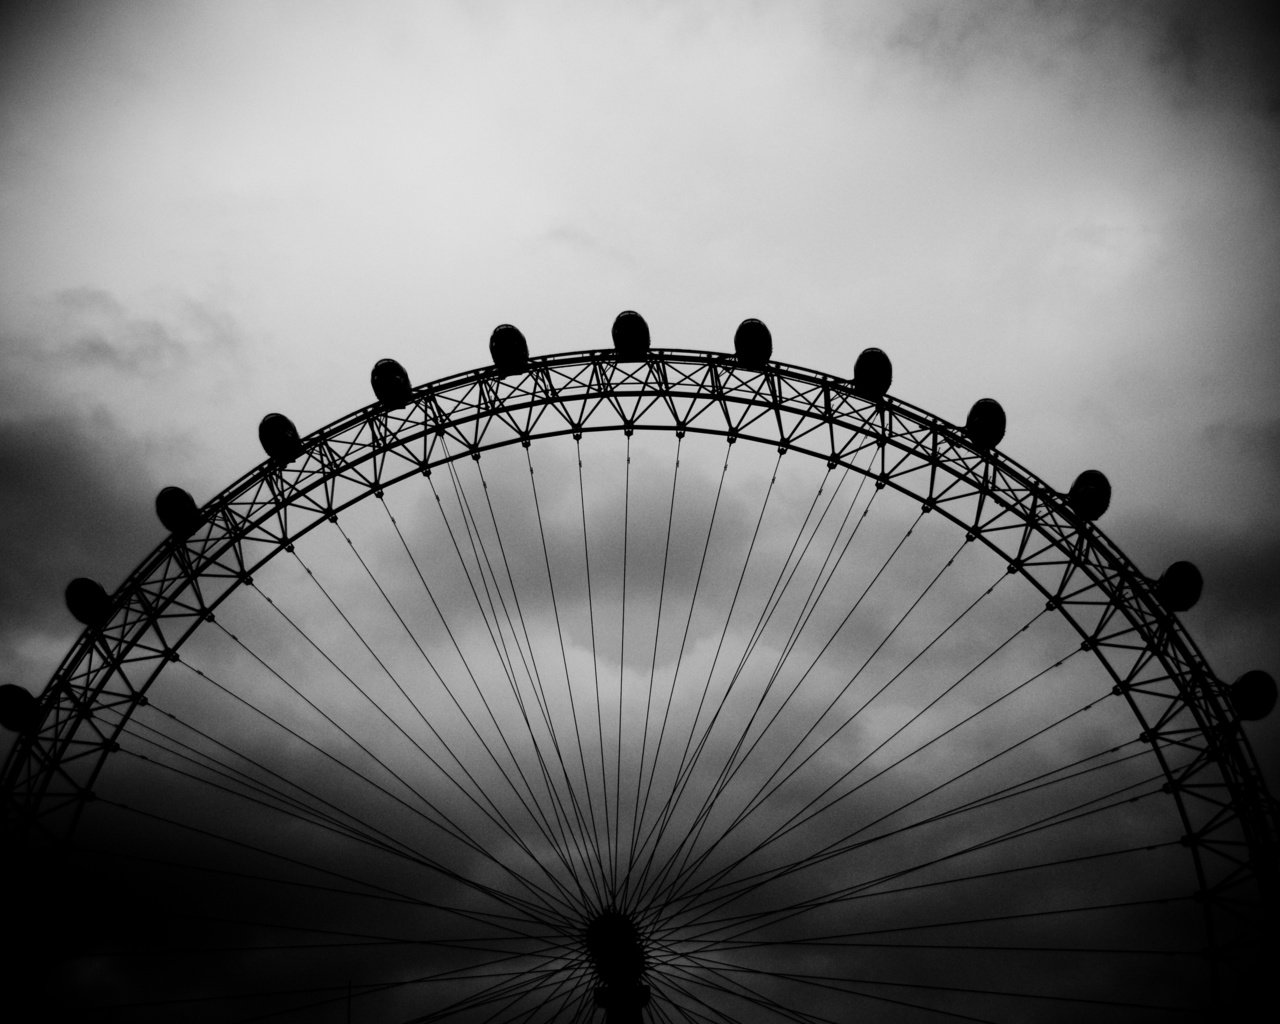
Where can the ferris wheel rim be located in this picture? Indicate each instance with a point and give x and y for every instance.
(169, 578)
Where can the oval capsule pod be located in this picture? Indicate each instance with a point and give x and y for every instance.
(391, 384)
(19, 710)
(177, 511)
(753, 343)
(88, 602)
(985, 424)
(507, 348)
(872, 373)
(1253, 695)
(630, 335)
(1179, 586)
(279, 437)
(1089, 495)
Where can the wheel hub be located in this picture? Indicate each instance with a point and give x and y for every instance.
(617, 953)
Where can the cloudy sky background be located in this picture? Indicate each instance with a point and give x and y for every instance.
(212, 211)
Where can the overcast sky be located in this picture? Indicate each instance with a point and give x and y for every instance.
(215, 210)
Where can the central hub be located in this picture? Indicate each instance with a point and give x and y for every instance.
(616, 952)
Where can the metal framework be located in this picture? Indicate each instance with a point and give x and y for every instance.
(1230, 823)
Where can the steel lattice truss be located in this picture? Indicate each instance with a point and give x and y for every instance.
(1179, 703)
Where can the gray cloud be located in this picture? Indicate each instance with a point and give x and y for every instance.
(579, 239)
(93, 327)
(1256, 440)
(100, 332)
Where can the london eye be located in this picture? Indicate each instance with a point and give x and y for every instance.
(641, 684)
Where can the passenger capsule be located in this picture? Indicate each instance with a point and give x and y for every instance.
(508, 348)
(986, 423)
(19, 710)
(88, 602)
(1179, 586)
(391, 384)
(1089, 495)
(872, 374)
(177, 511)
(630, 335)
(279, 437)
(753, 343)
(1253, 695)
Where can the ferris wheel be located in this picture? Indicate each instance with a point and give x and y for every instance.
(639, 684)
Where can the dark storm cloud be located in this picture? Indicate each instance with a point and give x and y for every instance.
(1241, 568)
(40, 43)
(1238, 554)
(1240, 563)
(79, 480)
(1241, 600)
(1225, 50)
(78, 498)
(1229, 47)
